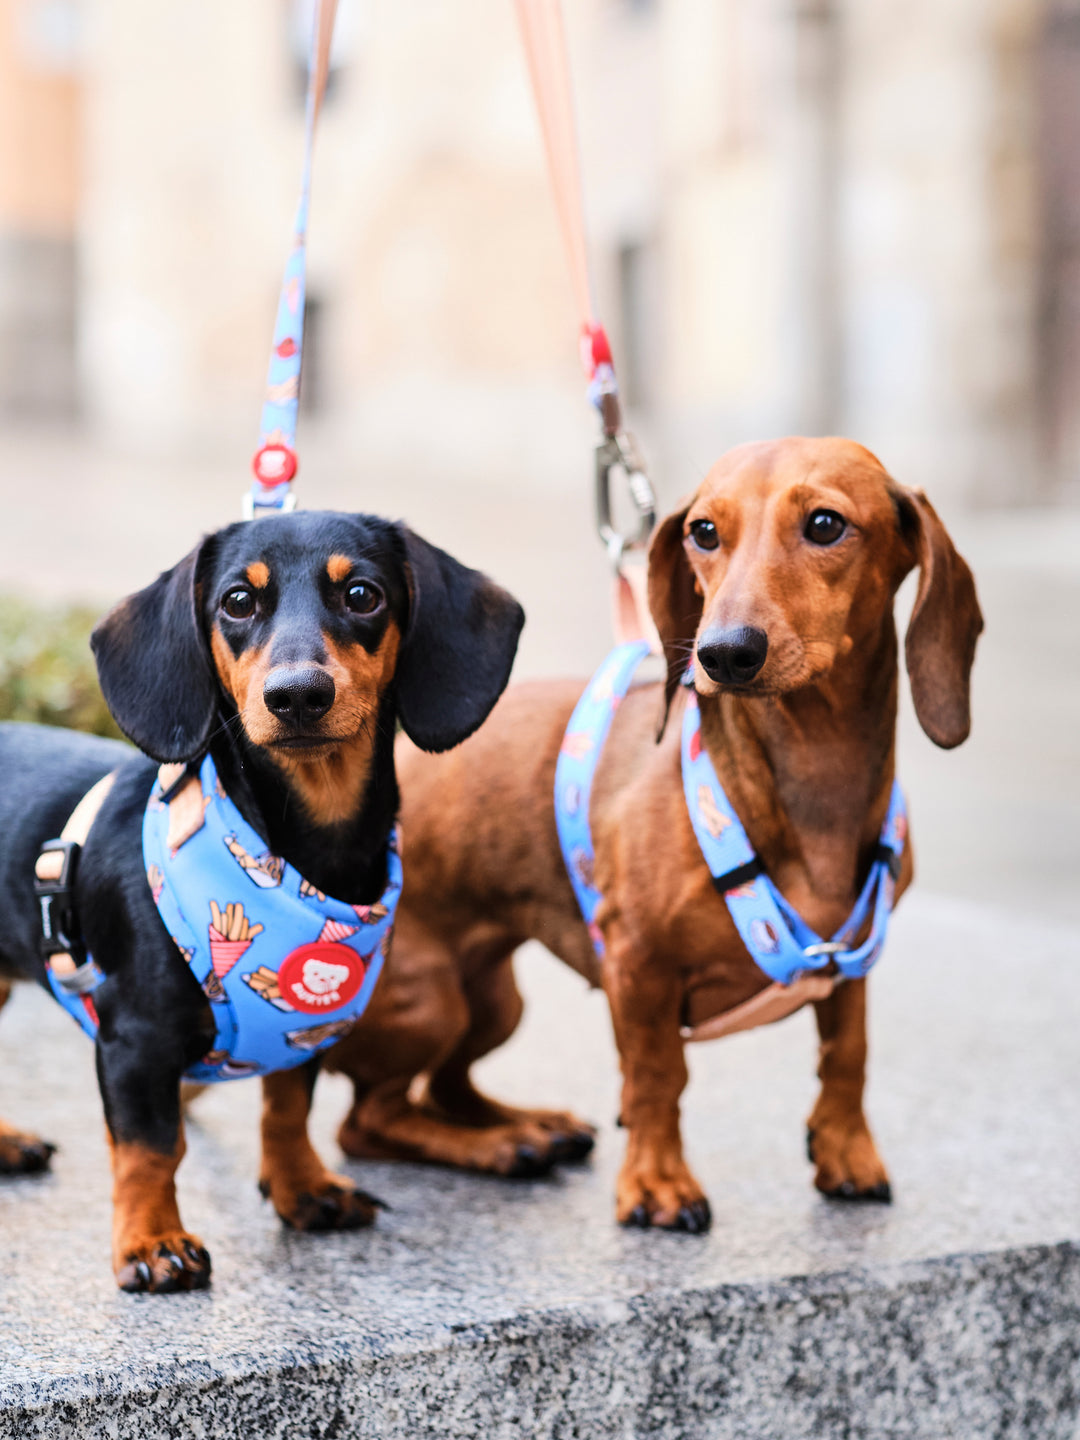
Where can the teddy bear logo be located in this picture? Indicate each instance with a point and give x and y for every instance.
(324, 979)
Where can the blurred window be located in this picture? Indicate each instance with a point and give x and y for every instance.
(634, 275)
(311, 380)
(48, 35)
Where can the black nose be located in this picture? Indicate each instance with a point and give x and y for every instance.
(298, 694)
(733, 656)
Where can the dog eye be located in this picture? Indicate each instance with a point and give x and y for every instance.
(704, 534)
(363, 598)
(824, 527)
(239, 604)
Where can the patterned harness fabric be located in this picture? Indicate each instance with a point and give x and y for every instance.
(286, 969)
(776, 936)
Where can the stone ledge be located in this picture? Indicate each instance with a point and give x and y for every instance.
(481, 1309)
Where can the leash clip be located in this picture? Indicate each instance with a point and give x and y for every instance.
(619, 451)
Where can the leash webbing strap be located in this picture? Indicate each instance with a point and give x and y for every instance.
(544, 37)
(275, 460)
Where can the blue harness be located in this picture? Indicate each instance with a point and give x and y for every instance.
(777, 937)
(286, 969)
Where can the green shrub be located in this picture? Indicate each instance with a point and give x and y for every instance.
(47, 673)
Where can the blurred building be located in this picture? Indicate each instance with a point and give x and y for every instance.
(814, 215)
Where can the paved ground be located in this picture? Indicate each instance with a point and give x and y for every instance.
(975, 1098)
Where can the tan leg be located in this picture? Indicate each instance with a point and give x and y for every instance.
(655, 1185)
(301, 1189)
(21, 1152)
(151, 1248)
(495, 1010)
(422, 1022)
(838, 1138)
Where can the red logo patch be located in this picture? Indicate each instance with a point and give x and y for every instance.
(695, 744)
(320, 978)
(287, 348)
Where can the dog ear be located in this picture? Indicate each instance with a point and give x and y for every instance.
(945, 624)
(674, 602)
(154, 668)
(459, 646)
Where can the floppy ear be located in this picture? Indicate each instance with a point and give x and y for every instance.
(459, 647)
(944, 626)
(673, 601)
(154, 668)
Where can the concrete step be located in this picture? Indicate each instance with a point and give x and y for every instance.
(480, 1308)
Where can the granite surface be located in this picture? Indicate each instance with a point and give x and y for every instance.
(488, 1309)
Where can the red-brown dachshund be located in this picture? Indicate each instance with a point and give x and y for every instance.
(801, 544)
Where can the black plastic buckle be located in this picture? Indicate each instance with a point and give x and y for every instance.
(59, 924)
(890, 858)
(732, 879)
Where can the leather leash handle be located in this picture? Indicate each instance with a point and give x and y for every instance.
(275, 461)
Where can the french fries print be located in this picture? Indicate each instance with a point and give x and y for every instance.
(231, 934)
(264, 982)
(335, 930)
(265, 870)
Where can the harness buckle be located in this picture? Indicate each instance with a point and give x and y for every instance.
(619, 451)
(54, 884)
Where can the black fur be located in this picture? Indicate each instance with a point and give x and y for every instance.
(155, 661)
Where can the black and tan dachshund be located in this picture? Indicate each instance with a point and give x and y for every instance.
(289, 649)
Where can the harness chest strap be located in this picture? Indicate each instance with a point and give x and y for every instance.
(314, 960)
(802, 965)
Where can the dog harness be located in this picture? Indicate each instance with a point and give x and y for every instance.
(286, 969)
(777, 937)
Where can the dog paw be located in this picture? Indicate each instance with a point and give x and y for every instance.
(668, 1202)
(331, 1203)
(163, 1264)
(24, 1154)
(847, 1164)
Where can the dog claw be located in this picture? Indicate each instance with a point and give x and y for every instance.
(568, 1149)
(810, 1145)
(638, 1218)
(694, 1218)
(881, 1192)
(529, 1163)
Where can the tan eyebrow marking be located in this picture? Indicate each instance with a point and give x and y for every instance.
(338, 568)
(258, 574)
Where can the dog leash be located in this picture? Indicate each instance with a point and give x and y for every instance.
(275, 461)
(544, 38)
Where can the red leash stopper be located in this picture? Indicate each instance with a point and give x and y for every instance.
(595, 350)
(274, 464)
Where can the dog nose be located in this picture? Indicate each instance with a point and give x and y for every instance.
(733, 656)
(298, 694)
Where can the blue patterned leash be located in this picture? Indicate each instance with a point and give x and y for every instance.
(777, 937)
(275, 461)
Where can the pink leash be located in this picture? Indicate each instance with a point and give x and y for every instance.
(549, 67)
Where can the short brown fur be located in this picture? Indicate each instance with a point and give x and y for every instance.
(339, 568)
(258, 574)
(806, 755)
